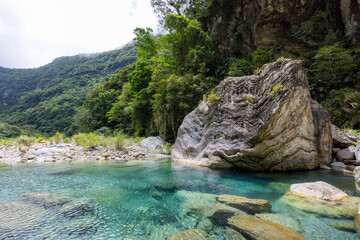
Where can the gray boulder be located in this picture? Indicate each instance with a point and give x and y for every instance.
(339, 137)
(357, 178)
(259, 122)
(153, 143)
(338, 166)
(357, 153)
(345, 154)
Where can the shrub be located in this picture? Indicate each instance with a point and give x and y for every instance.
(344, 107)
(25, 140)
(58, 137)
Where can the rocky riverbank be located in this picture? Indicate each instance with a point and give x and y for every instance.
(65, 153)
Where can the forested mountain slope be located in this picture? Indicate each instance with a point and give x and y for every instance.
(46, 97)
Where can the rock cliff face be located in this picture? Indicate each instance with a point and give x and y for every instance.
(260, 122)
(287, 27)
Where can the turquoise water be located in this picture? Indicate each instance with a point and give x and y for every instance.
(150, 199)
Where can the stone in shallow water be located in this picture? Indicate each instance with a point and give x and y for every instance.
(77, 227)
(16, 218)
(46, 199)
(316, 229)
(77, 207)
(258, 229)
(251, 206)
(280, 219)
(357, 222)
(319, 190)
(4, 166)
(192, 234)
(162, 232)
(200, 204)
(223, 212)
(205, 224)
(231, 234)
(341, 209)
(347, 226)
(110, 196)
(166, 184)
(279, 187)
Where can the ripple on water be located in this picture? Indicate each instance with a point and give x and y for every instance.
(145, 200)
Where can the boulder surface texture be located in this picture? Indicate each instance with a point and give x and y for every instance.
(259, 229)
(264, 122)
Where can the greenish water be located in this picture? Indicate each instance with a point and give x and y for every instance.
(150, 199)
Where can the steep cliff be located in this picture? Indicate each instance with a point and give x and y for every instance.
(260, 122)
(290, 28)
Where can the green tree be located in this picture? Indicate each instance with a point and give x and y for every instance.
(333, 67)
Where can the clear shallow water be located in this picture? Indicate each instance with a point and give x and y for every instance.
(148, 199)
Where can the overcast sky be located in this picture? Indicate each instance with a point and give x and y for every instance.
(34, 32)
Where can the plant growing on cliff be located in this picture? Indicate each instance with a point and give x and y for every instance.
(211, 98)
(275, 89)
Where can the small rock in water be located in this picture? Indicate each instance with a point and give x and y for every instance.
(77, 207)
(256, 228)
(338, 166)
(343, 226)
(192, 234)
(231, 234)
(319, 190)
(251, 206)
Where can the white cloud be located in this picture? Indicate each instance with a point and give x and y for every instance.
(33, 33)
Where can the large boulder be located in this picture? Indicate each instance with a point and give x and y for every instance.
(259, 122)
(259, 229)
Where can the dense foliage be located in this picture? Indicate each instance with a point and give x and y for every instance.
(46, 98)
(172, 73)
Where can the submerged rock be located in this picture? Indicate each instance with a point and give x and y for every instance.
(251, 206)
(16, 218)
(223, 212)
(4, 166)
(192, 234)
(258, 122)
(280, 219)
(76, 207)
(357, 222)
(259, 229)
(321, 199)
(231, 234)
(343, 226)
(46, 199)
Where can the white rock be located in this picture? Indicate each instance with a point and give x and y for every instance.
(319, 189)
